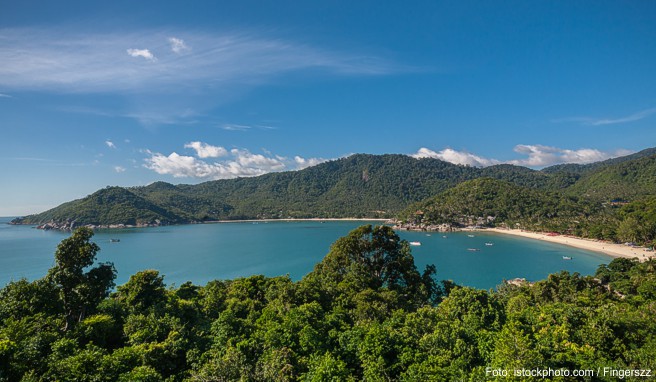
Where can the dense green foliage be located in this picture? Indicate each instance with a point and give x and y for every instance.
(494, 203)
(111, 205)
(626, 181)
(364, 313)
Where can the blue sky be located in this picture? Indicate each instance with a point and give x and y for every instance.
(127, 93)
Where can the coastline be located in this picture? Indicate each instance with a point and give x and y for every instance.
(68, 226)
(607, 248)
(295, 220)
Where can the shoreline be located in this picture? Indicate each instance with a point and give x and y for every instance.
(294, 220)
(66, 226)
(606, 248)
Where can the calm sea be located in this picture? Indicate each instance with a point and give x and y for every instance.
(204, 252)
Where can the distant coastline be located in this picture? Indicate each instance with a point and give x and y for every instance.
(607, 248)
(296, 220)
(70, 225)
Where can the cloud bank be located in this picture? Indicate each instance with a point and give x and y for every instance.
(535, 156)
(236, 163)
(203, 150)
(204, 163)
(456, 157)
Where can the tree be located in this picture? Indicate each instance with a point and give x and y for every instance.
(628, 230)
(80, 291)
(144, 290)
(374, 258)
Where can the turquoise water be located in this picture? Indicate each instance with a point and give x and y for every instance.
(200, 253)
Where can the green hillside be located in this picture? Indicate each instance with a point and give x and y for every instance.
(493, 202)
(357, 186)
(373, 186)
(628, 180)
(111, 205)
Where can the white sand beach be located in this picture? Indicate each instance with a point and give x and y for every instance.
(610, 249)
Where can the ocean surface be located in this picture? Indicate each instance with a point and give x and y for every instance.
(204, 252)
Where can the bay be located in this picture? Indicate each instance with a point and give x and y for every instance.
(205, 252)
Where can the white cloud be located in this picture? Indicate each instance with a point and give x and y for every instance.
(248, 160)
(225, 63)
(238, 163)
(119, 169)
(145, 53)
(178, 45)
(302, 163)
(589, 121)
(536, 156)
(542, 156)
(234, 127)
(456, 157)
(203, 150)
(630, 118)
(110, 144)
(180, 166)
(5, 96)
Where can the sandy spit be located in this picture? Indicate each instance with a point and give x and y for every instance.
(607, 248)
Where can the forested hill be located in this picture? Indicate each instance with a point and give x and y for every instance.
(493, 202)
(361, 185)
(358, 186)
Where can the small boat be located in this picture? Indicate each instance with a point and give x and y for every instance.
(114, 240)
(415, 243)
(470, 235)
(567, 257)
(428, 234)
(489, 244)
(444, 237)
(473, 249)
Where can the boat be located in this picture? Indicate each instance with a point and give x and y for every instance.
(470, 235)
(444, 237)
(567, 257)
(473, 249)
(415, 243)
(489, 244)
(114, 240)
(428, 234)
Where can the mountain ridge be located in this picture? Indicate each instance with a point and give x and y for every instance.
(358, 186)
